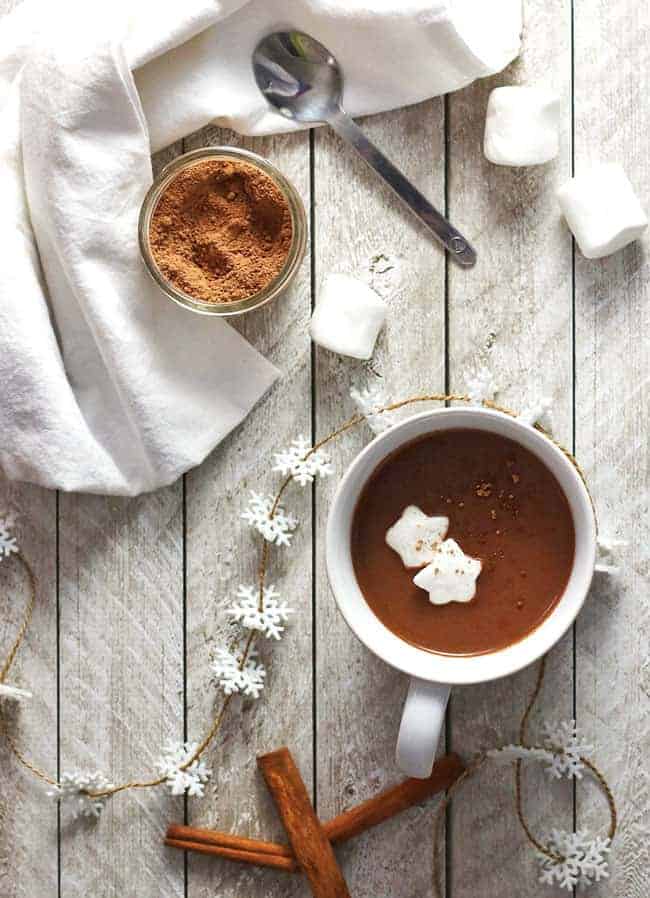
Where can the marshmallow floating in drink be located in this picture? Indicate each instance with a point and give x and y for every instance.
(522, 126)
(415, 537)
(348, 316)
(602, 210)
(450, 576)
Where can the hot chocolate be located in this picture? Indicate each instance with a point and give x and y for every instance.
(504, 507)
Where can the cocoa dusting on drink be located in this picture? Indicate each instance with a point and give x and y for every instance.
(221, 230)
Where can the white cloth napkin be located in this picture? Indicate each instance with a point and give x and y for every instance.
(106, 386)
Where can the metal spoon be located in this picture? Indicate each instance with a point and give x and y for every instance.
(302, 80)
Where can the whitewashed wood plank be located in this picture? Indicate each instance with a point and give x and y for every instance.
(612, 122)
(28, 819)
(512, 312)
(121, 651)
(121, 694)
(361, 229)
(223, 552)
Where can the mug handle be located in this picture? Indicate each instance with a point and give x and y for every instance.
(419, 732)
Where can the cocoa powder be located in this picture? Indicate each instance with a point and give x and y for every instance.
(221, 230)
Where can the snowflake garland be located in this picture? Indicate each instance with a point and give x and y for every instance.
(233, 677)
(75, 787)
(482, 387)
(268, 619)
(8, 543)
(579, 858)
(181, 779)
(584, 859)
(538, 412)
(368, 402)
(276, 527)
(562, 750)
(303, 462)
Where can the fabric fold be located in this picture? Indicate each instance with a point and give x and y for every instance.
(393, 53)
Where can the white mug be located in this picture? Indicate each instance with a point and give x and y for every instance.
(433, 674)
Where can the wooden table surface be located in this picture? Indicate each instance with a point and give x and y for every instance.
(132, 591)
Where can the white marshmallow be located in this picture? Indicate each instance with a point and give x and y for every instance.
(415, 537)
(522, 126)
(451, 576)
(602, 210)
(348, 316)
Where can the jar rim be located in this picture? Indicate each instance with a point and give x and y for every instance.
(291, 264)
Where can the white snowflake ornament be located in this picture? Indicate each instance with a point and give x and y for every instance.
(302, 462)
(269, 619)
(8, 543)
(563, 740)
(75, 789)
(181, 779)
(538, 412)
(584, 859)
(482, 387)
(561, 751)
(510, 753)
(607, 555)
(13, 693)
(232, 677)
(276, 527)
(368, 402)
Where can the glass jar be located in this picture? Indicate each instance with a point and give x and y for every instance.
(294, 256)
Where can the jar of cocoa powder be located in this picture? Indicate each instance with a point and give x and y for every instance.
(222, 231)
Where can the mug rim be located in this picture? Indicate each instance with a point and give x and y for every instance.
(418, 662)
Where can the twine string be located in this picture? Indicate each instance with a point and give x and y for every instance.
(6, 667)
(27, 617)
(26, 763)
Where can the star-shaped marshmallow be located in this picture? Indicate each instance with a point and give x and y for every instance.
(415, 537)
(450, 576)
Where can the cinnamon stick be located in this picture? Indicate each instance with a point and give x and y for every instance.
(311, 846)
(254, 851)
(345, 826)
(260, 859)
(393, 801)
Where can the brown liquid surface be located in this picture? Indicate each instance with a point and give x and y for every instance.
(504, 507)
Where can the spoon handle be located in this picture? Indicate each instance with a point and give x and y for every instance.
(460, 250)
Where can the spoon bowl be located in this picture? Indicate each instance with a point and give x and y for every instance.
(298, 76)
